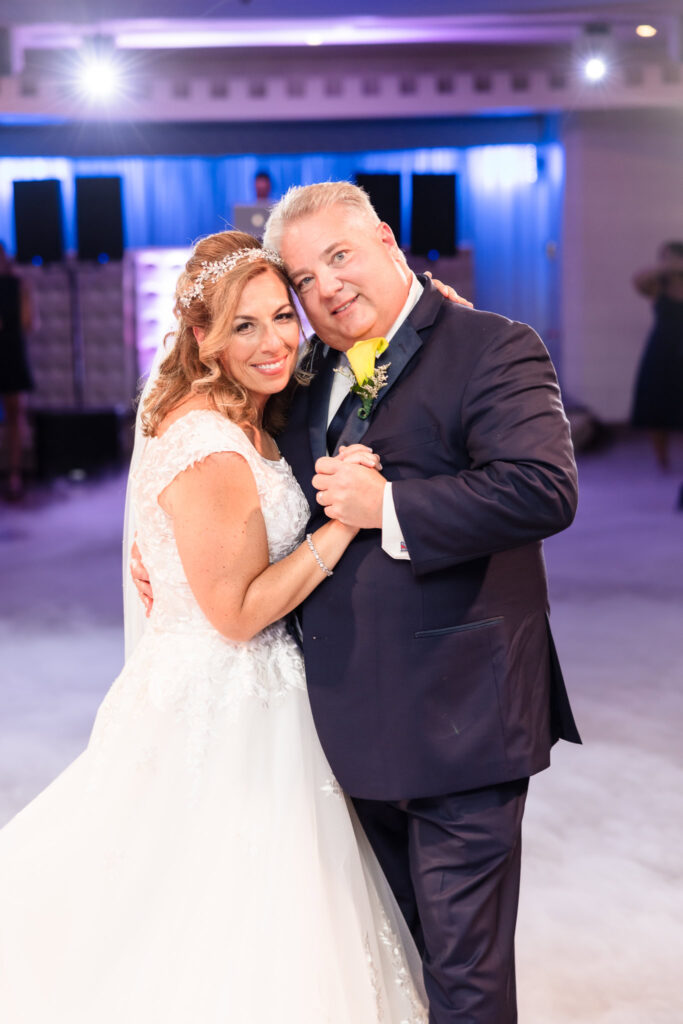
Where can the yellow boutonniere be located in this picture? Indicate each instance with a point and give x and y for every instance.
(370, 379)
(362, 355)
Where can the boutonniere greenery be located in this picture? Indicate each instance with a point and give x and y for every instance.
(369, 379)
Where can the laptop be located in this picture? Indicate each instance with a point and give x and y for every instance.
(251, 219)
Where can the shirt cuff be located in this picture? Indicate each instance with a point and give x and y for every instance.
(392, 538)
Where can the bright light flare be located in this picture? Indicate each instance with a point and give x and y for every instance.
(595, 69)
(99, 78)
(646, 31)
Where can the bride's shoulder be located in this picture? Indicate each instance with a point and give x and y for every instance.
(194, 430)
(194, 418)
(186, 414)
(186, 437)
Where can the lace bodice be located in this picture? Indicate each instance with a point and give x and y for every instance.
(194, 437)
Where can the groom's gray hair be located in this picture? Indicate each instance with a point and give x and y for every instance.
(305, 200)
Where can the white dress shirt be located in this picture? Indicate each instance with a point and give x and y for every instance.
(392, 538)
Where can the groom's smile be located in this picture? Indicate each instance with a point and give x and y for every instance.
(344, 307)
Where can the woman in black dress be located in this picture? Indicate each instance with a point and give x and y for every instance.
(15, 373)
(658, 402)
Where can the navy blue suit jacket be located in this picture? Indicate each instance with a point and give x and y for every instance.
(439, 674)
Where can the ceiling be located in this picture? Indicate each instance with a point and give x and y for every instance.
(259, 27)
(194, 38)
(280, 22)
(17, 12)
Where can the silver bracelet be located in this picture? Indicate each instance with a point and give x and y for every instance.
(314, 550)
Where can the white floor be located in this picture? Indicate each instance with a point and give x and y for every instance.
(600, 937)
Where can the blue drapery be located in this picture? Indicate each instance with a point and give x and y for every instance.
(509, 206)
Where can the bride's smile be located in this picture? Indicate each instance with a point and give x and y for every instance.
(264, 342)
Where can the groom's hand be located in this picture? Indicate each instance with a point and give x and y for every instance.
(141, 579)
(350, 493)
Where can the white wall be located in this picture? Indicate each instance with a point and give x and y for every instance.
(624, 195)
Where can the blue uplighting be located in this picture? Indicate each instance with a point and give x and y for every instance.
(433, 255)
(103, 258)
(37, 261)
(31, 119)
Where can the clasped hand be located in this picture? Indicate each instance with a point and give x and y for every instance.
(350, 487)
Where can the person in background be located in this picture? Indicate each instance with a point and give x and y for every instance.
(658, 399)
(16, 319)
(263, 187)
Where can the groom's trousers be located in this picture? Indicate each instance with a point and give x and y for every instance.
(453, 863)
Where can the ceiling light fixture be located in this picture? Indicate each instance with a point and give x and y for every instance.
(99, 78)
(97, 70)
(646, 31)
(595, 52)
(595, 69)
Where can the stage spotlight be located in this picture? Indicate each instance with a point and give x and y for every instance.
(595, 52)
(95, 70)
(99, 77)
(646, 31)
(595, 69)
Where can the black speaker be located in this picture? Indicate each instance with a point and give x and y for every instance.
(38, 221)
(432, 219)
(385, 195)
(99, 219)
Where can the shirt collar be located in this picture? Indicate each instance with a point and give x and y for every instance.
(412, 300)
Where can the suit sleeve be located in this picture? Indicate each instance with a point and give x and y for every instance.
(521, 483)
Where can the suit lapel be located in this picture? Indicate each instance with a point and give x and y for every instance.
(319, 401)
(402, 347)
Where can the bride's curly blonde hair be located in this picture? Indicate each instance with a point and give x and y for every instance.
(211, 308)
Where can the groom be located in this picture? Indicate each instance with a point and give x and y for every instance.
(432, 673)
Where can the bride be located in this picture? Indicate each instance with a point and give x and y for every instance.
(198, 862)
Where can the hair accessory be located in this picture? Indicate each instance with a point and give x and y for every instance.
(309, 541)
(217, 269)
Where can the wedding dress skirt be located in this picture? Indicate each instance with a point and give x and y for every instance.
(198, 863)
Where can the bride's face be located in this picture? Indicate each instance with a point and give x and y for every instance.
(264, 340)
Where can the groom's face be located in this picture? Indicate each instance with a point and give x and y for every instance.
(348, 274)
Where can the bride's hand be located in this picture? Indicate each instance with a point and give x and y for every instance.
(448, 292)
(359, 455)
(141, 579)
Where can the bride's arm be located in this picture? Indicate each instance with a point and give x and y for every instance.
(221, 537)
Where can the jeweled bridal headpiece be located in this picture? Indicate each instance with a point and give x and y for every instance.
(214, 271)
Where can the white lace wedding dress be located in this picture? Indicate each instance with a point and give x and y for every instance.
(198, 864)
